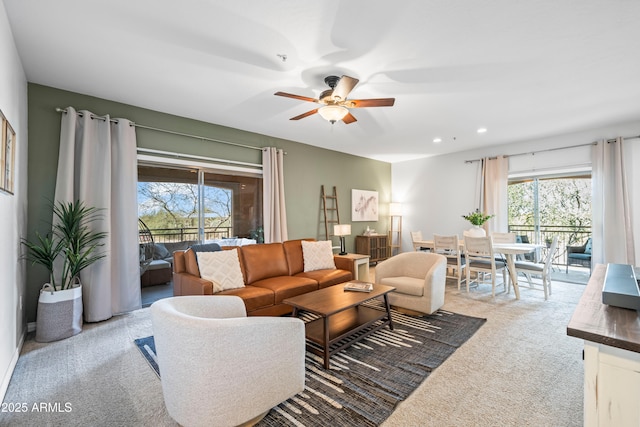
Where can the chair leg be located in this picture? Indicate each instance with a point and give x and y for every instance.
(493, 285)
(528, 276)
(504, 279)
(468, 278)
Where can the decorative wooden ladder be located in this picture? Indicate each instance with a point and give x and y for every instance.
(330, 209)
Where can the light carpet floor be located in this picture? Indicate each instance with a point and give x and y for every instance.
(519, 369)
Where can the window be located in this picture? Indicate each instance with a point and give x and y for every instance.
(541, 208)
(191, 204)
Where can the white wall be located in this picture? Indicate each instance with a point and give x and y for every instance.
(13, 208)
(437, 191)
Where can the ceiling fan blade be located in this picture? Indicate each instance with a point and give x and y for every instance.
(349, 119)
(300, 97)
(344, 87)
(361, 103)
(302, 116)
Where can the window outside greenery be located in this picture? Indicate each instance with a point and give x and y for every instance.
(169, 203)
(548, 207)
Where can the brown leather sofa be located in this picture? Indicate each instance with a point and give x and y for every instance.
(272, 272)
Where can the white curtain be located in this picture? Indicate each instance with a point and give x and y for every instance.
(97, 165)
(613, 240)
(495, 174)
(274, 209)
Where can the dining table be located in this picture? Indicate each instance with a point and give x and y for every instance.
(509, 250)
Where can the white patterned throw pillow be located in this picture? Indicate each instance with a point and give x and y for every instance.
(222, 268)
(318, 255)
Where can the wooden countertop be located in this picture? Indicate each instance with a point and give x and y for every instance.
(600, 323)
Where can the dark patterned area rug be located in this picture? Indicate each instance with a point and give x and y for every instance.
(367, 380)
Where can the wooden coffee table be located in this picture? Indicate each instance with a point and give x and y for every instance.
(341, 316)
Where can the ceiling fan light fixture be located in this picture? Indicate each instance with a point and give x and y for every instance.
(333, 113)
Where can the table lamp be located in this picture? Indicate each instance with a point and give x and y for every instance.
(342, 230)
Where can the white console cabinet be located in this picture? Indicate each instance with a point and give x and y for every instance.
(611, 386)
(611, 357)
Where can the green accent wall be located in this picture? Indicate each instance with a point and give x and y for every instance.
(306, 167)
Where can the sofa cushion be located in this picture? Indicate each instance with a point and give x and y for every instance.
(263, 261)
(327, 278)
(191, 263)
(254, 297)
(317, 255)
(405, 285)
(160, 251)
(587, 247)
(287, 286)
(222, 268)
(293, 252)
(580, 256)
(206, 247)
(182, 245)
(159, 264)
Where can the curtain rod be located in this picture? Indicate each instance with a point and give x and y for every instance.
(552, 149)
(203, 138)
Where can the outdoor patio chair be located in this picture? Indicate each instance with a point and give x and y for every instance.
(579, 255)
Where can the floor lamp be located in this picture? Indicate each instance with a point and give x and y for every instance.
(395, 227)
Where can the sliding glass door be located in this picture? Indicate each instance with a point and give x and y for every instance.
(189, 205)
(541, 208)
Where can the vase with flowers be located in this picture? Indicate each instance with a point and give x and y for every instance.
(477, 219)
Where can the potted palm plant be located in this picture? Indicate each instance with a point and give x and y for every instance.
(477, 219)
(71, 247)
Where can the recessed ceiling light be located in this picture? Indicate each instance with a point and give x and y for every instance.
(437, 140)
(482, 130)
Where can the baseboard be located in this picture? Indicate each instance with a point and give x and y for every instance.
(14, 360)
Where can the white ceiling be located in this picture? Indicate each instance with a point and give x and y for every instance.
(522, 69)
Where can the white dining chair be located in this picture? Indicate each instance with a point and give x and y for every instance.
(449, 246)
(543, 271)
(480, 258)
(417, 241)
(503, 237)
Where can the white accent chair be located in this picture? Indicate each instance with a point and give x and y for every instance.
(480, 258)
(419, 279)
(219, 367)
(543, 271)
(449, 246)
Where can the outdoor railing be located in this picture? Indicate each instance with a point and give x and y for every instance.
(567, 236)
(181, 234)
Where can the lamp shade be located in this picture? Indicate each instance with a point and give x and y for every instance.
(342, 229)
(333, 113)
(395, 209)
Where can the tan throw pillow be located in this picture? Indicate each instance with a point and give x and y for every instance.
(317, 255)
(222, 268)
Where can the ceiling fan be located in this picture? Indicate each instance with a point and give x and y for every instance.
(335, 103)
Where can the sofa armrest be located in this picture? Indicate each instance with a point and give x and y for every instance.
(344, 263)
(188, 284)
(436, 276)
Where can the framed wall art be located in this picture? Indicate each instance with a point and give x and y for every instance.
(364, 205)
(7, 156)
